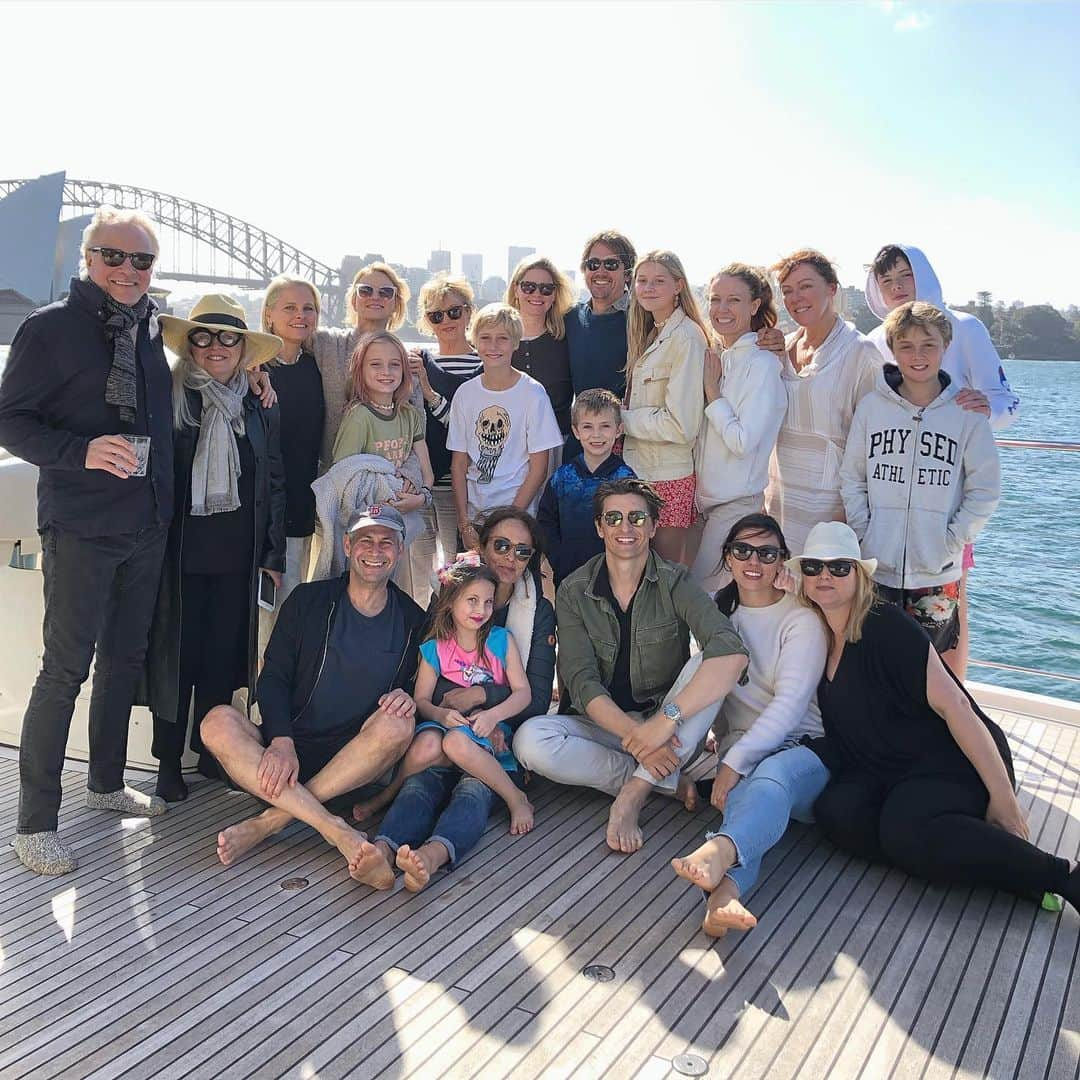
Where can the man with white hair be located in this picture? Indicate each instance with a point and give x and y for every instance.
(86, 397)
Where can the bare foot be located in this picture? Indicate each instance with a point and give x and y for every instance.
(238, 840)
(623, 832)
(521, 816)
(686, 793)
(419, 865)
(710, 743)
(366, 810)
(724, 912)
(707, 866)
(371, 866)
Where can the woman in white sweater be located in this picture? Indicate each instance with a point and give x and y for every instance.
(765, 777)
(828, 369)
(745, 406)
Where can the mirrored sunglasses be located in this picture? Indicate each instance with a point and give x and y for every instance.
(637, 518)
(522, 552)
(545, 288)
(611, 264)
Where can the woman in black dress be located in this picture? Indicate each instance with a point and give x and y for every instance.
(921, 777)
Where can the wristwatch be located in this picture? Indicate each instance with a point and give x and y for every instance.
(673, 713)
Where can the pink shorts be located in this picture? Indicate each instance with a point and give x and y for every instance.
(968, 559)
(678, 511)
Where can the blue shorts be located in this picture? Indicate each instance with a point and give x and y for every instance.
(505, 759)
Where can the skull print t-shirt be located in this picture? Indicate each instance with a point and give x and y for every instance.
(499, 429)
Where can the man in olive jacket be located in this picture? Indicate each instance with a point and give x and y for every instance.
(625, 620)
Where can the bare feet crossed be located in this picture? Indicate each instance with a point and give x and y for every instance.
(371, 865)
(237, 840)
(724, 912)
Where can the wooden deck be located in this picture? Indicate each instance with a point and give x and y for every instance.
(152, 960)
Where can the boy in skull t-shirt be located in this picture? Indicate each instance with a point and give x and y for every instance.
(501, 427)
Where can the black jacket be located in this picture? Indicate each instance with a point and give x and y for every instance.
(52, 404)
(297, 648)
(161, 690)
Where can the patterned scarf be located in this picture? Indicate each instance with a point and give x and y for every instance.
(120, 320)
(215, 470)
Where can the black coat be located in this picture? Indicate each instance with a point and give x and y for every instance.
(162, 674)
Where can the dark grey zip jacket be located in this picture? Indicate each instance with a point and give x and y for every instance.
(297, 648)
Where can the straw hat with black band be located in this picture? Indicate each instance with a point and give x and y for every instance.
(219, 312)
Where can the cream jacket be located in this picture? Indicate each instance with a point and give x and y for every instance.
(666, 402)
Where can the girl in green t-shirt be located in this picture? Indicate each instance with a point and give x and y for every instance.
(378, 418)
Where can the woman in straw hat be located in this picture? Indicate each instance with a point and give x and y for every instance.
(228, 525)
(920, 776)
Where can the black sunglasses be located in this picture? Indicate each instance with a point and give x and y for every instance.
(522, 552)
(452, 313)
(767, 553)
(607, 264)
(203, 339)
(836, 567)
(637, 518)
(547, 288)
(386, 292)
(140, 260)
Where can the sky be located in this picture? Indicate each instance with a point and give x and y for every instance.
(722, 131)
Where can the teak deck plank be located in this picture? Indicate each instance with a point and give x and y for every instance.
(178, 967)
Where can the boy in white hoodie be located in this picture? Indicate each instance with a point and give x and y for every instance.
(920, 476)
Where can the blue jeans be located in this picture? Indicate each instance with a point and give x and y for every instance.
(783, 786)
(438, 804)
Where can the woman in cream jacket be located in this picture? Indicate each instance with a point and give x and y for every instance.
(665, 402)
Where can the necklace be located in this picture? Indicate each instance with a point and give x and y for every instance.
(387, 409)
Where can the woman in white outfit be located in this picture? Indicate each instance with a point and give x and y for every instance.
(828, 369)
(745, 406)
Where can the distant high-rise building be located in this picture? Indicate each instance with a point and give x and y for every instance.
(514, 255)
(439, 262)
(472, 269)
(493, 290)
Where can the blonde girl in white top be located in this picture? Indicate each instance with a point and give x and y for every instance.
(665, 400)
(745, 406)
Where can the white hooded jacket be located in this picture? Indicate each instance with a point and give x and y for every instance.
(971, 360)
(731, 457)
(918, 483)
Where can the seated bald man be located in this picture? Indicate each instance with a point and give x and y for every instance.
(334, 695)
(624, 622)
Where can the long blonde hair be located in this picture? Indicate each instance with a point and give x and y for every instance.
(401, 297)
(640, 324)
(274, 290)
(861, 605)
(555, 320)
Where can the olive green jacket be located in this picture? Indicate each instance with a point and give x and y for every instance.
(668, 608)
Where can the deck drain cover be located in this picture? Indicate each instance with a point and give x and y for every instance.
(599, 973)
(294, 884)
(690, 1065)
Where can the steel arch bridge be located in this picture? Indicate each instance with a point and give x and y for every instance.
(252, 255)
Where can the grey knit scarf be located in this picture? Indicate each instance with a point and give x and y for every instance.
(215, 470)
(120, 320)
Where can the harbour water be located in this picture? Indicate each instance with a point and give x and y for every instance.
(1025, 600)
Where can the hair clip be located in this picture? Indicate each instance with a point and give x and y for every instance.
(463, 558)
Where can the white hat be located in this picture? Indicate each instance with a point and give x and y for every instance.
(832, 540)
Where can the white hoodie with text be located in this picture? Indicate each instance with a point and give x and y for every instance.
(918, 483)
(971, 360)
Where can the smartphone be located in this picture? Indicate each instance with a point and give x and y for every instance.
(267, 591)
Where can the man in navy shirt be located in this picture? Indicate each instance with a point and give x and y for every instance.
(596, 328)
(333, 695)
(86, 397)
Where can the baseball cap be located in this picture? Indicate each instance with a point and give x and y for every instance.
(386, 516)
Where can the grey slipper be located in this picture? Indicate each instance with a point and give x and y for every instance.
(44, 853)
(128, 801)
